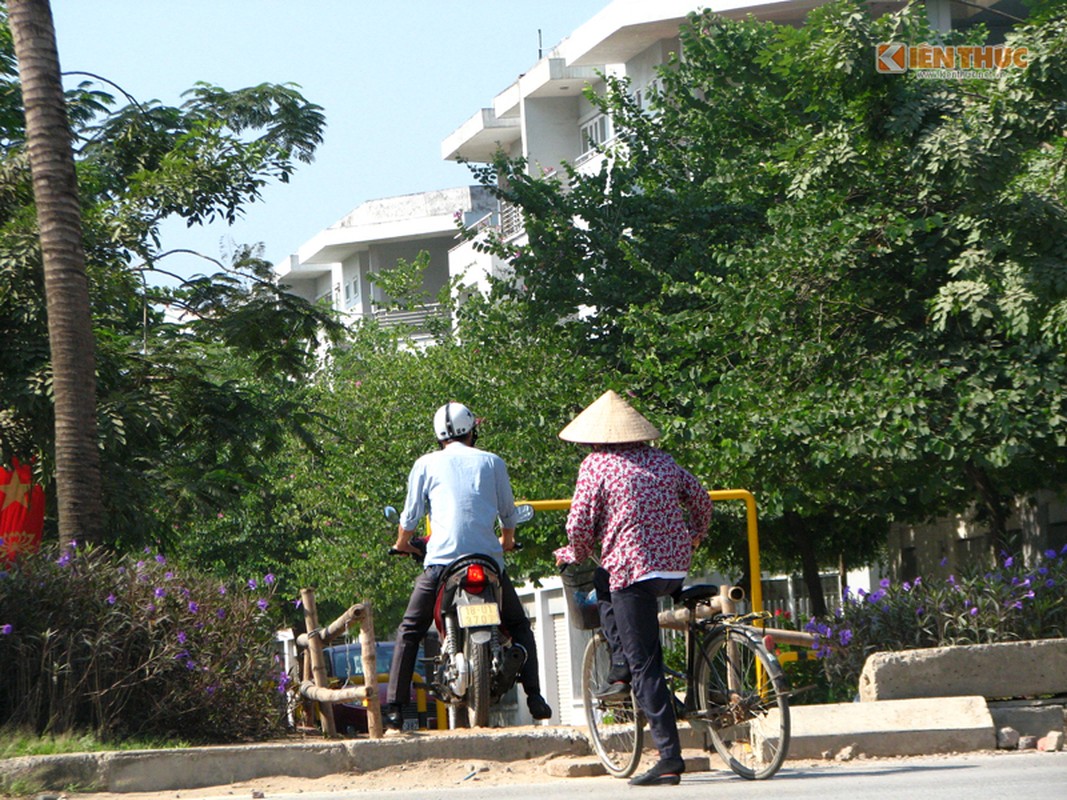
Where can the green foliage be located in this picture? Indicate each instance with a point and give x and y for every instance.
(380, 395)
(198, 161)
(1011, 602)
(136, 647)
(15, 743)
(838, 289)
(190, 410)
(807, 674)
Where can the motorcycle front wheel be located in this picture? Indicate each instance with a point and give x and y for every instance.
(480, 662)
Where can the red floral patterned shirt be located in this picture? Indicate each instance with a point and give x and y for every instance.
(635, 501)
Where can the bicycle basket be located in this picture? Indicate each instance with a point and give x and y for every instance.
(580, 594)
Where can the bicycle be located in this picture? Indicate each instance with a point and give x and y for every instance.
(736, 694)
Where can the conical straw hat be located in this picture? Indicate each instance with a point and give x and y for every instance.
(609, 420)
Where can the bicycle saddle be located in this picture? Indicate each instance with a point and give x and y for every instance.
(691, 595)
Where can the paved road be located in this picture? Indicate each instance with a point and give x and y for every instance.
(964, 777)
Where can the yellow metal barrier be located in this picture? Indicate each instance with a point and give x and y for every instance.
(422, 698)
(797, 655)
(717, 495)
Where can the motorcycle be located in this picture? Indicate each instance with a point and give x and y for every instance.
(478, 663)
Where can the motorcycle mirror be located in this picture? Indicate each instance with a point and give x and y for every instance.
(391, 514)
(526, 513)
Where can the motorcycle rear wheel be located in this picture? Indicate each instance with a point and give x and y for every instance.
(480, 661)
(457, 716)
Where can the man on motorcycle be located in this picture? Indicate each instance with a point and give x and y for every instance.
(465, 491)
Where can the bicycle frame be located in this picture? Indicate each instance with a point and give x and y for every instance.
(698, 630)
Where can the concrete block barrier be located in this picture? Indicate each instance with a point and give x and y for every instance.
(1004, 670)
(892, 728)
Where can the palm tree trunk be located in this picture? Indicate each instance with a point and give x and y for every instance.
(70, 331)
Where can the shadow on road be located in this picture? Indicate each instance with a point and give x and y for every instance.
(837, 770)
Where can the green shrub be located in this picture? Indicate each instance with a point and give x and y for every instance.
(1012, 602)
(127, 646)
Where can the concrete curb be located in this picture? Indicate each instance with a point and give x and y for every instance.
(197, 767)
(886, 728)
(844, 730)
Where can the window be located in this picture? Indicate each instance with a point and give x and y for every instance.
(352, 293)
(595, 132)
(642, 98)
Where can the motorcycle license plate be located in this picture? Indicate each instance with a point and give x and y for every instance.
(476, 616)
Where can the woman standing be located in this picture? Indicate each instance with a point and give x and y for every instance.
(647, 514)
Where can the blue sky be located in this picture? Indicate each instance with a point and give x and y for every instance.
(395, 79)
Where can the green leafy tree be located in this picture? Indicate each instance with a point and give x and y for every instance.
(381, 394)
(192, 403)
(842, 290)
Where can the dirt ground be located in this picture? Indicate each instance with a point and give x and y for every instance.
(428, 774)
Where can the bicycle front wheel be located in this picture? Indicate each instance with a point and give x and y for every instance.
(615, 723)
(743, 702)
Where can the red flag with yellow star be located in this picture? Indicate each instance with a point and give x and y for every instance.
(21, 512)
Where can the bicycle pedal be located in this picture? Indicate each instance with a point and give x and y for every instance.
(618, 689)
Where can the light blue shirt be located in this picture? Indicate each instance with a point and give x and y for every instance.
(465, 491)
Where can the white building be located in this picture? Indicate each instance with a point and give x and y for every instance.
(543, 117)
(335, 265)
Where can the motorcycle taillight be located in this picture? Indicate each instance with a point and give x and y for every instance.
(475, 581)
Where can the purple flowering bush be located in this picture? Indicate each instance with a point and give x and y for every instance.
(132, 646)
(1012, 602)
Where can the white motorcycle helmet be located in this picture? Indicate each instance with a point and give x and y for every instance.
(452, 421)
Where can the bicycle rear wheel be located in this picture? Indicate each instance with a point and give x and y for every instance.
(743, 702)
(616, 726)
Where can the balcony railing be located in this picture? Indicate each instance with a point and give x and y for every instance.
(416, 320)
(511, 224)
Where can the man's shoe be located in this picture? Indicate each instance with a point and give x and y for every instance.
(393, 717)
(664, 773)
(539, 707)
(619, 673)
